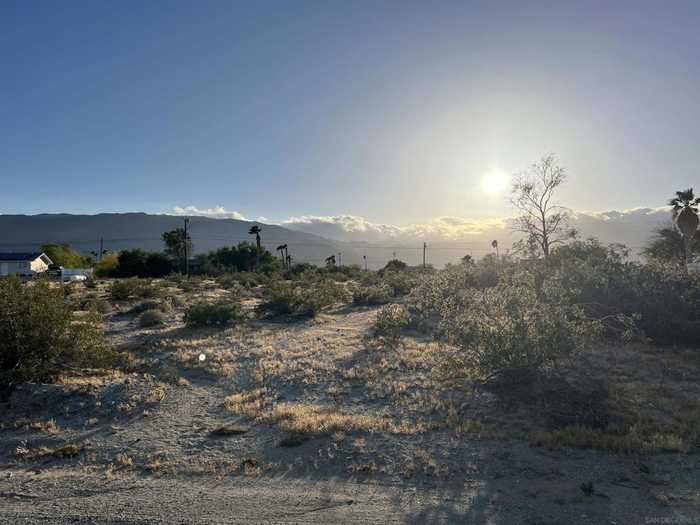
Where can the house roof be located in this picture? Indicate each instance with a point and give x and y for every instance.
(20, 256)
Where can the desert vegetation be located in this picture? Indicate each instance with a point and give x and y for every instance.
(566, 344)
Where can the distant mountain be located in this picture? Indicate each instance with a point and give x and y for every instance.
(140, 230)
(314, 239)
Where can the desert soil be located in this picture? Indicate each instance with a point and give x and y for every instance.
(144, 451)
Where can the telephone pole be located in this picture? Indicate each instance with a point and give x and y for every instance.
(424, 247)
(187, 258)
(340, 261)
(102, 246)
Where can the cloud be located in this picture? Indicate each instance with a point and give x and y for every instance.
(632, 226)
(356, 228)
(218, 212)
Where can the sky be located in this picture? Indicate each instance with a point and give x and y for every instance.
(388, 112)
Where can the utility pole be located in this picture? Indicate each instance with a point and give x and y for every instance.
(102, 246)
(424, 247)
(365, 258)
(340, 261)
(187, 258)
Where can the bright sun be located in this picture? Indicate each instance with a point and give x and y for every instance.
(494, 182)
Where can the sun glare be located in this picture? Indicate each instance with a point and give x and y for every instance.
(494, 182)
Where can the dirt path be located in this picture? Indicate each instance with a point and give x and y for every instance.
(70, 497)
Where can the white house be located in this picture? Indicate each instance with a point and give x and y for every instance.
(23, 263)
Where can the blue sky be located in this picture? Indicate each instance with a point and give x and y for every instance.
(391, 111)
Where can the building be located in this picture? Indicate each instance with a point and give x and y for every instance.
(26, 264)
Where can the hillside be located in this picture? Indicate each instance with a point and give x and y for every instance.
(140, 230)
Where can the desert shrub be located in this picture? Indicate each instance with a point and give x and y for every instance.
(38, 334)
(151, 318)
(511, 330)
(432, 291)
(98, 305)
(223, 312)
(394, 265)
(124, 289)
(371, 295)
(391, 319)
(400, 283)
(342, 273)
(148, 290)
(298, 269)
(662, 302)
(151, 304)
(305, 298)
(108, 266)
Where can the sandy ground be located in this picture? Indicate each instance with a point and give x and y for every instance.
(146, 453)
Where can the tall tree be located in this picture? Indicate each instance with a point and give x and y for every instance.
(255, 230)
(544, 222)
(282, 249)
(684, 209)
(64, 255)
(668, 246)
(178, 244)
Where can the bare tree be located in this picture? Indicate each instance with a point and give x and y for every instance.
(544, 222)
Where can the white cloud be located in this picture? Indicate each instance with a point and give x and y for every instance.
(356, 228)
(218, 212)
(632, 226)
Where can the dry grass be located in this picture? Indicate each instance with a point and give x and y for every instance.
(64, 451)
(123, 460)
(317, 420)
(47, 426)
(155, 396)
(251, 404)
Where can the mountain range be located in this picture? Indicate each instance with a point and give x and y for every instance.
(312, 239)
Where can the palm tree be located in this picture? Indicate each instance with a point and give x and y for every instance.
(330, 260)
(685, 216)
(255, 230)
(283, 253)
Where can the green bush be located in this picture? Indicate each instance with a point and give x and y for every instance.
(64, 255)
(304, 299)
(400, 282)
(151, 318)
(509, 330)
(371, 295)
(391, 320)
(138, 263)
(124, 289)
(662, 301)
(223, 312)
(38, 334)
(108, 266)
